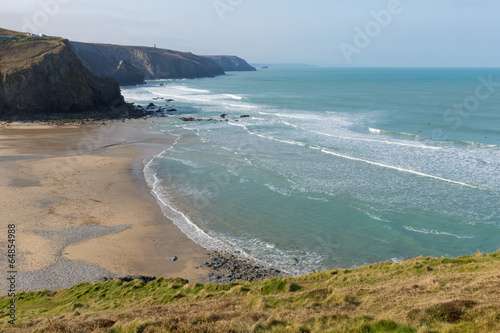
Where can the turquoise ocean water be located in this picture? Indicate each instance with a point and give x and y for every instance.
(334, 167)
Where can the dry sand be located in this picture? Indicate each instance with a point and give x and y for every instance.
(82, 208)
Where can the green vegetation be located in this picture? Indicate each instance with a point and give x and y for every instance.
(419, 295)
(21, 38)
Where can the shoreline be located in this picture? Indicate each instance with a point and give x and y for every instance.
(84, 211)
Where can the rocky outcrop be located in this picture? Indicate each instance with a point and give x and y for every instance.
(103, 59)
(231, 63)
(43, 78)
(128, 75)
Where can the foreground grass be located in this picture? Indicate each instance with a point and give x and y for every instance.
(419, 295)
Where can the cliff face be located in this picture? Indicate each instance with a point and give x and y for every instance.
(231, 63)
(103, 60)
(43, 78)
(128, 75)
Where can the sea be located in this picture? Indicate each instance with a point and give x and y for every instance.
(311, 169)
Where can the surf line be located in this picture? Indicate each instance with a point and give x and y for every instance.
(381, 141)
(326, 151)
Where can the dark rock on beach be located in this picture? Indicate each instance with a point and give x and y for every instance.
(129, 278)
(228, 267)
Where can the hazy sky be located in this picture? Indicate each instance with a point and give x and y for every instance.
(323, 32)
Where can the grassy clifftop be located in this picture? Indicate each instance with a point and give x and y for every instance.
(22, 50)
(419, 295)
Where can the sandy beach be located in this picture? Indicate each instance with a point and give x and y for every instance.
(82, 208)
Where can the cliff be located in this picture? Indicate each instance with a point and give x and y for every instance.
(103, 60)
(43, 78)
(128, 75)
(231, 63)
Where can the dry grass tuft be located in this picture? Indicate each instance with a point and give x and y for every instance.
(450, 312)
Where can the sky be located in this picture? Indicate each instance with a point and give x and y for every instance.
(369, 33)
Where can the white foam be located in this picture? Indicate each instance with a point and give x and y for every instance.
(379, 141)
(278, 190)
(237, 124)
(375, 217)
(293, 116)
(375, 130)
(326, 151)
(290, 124)
(290, 142)
(243, 106)
(184, 88)
(188, 163)
(435, 232)
(397, 260)
(234, 96)
(317, 199)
